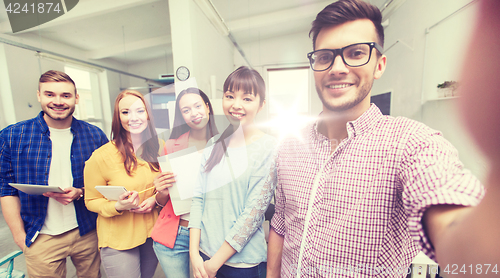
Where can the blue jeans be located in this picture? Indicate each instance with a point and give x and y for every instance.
(225, 271)
(175, 262)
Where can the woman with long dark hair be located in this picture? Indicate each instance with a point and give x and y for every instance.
(193, 126)
(129, 160)
(235, 187)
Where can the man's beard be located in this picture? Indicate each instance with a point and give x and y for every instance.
(362, 94)
(69, 113)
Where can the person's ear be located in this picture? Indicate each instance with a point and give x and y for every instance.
(38, 96)
(261, 106)
(207, 111)
(380, 68)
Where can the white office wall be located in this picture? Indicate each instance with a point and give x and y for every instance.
(116, 82)
(23, 71)
(197, 45)
(152, 69)
(212, 53)
(405, 59)
(283, 50)
(7, 116)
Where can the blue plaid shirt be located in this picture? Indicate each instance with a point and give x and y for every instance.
(25, 156)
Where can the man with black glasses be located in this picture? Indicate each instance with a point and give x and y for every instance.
(360, 193)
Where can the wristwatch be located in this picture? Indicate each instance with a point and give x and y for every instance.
(81, 195)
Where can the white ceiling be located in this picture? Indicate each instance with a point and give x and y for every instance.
(132, 31)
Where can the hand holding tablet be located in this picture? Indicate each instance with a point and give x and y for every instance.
(128, 201)
(70, 194)
(113, 193)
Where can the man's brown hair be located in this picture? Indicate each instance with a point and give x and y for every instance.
(55, 76)
(344, 11)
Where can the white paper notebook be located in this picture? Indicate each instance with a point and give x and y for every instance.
(185, 164)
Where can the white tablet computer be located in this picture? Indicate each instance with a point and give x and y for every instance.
(35, 189)
(111, 192)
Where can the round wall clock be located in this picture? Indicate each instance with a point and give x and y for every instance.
(182, 73)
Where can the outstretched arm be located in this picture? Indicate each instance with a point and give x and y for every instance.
(465, 235)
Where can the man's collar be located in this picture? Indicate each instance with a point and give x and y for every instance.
(365, 122)
(357, 127)
(75, 124)
(41, 121)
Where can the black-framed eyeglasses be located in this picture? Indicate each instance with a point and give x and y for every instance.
(354, 55)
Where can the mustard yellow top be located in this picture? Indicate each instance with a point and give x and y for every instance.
(118, 230)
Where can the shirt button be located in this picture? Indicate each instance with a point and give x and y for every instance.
(48, 155)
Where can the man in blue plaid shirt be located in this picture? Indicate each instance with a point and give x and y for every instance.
(51, 149)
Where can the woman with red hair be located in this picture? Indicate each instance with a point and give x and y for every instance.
(129, 160)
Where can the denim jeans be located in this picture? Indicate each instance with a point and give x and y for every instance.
(175, 262)
(258, 271)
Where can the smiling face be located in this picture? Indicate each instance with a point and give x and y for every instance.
(340, 87)
(194, 111)
(133, 115)
(240, 107)
(58, 101)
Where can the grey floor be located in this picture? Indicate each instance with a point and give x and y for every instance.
(7, 245)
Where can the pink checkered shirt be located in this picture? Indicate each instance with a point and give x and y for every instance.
(365, 216)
